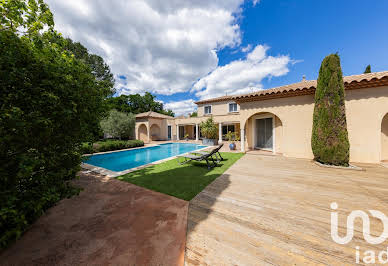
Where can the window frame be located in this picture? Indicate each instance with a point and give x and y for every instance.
(204, 109)
(229, 107)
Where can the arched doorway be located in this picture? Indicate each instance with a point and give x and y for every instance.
(155, 132)
(142, 133)
(384, 138)
(264, 131)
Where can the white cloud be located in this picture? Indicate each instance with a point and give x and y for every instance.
(181, 107)
(246, 48)
(159, 46)
(242, 76)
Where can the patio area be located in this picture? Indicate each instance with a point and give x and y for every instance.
(264, 209)
(109, 223)
(276, 211)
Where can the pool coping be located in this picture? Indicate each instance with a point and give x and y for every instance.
(112, 174)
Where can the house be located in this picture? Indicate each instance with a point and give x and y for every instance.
(151, 126)
(280, 119)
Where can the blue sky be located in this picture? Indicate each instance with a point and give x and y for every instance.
(310, 30)
(183, 51)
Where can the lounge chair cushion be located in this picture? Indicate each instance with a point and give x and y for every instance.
(191, 156)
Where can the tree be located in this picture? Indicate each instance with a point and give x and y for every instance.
(209, 129)
(100, 69)
(194, 114)
(25, 16)
(367, 69)
(137, 103)
(329, 141)
(51, 102)
(168, 112)
(118, 124)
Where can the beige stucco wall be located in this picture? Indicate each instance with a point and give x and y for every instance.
(218, 108)
(230, 118)
(384, 139)
(141, 130)
(155, 126)
(278, 135)
(365, 109)
(293, 125)
(162, 124)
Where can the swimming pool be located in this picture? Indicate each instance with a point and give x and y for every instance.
(123, 160)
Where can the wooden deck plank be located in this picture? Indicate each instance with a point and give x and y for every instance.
(276, 211)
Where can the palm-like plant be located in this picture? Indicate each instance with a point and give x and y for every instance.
(209, 129)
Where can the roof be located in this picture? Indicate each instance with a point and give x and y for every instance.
(305, 87)
(217, 99)
(153, 115)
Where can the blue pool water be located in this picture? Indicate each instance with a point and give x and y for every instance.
(119, 161)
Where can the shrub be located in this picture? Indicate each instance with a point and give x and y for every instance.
(367, 69)
(329, 141)
(230, 136)
(118, 124)
(49, 103)
(209, 129)
(111, 145)
(86, 147)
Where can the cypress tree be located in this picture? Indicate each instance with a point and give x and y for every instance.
(367, 69)
(330, 143)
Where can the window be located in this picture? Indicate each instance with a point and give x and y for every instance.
(208, 109)
(232, 107)
(227, 128)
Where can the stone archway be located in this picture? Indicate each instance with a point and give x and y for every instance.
(264, 130)
(155, 132)
(143, 133)
(384, 138)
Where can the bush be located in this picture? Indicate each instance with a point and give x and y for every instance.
(87, 148)
(209, 129)
(118, 124)
(231, 136)
(111, 145)
(49, 103)
(329, 140)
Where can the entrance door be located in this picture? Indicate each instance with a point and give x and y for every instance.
(168, 132)
(264, 133)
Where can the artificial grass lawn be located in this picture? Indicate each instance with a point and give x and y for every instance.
(181, 181)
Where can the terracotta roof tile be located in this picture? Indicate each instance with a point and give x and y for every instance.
(307, 84)
(217, 99)
(282, 91)
(154, 115)
(365, 77)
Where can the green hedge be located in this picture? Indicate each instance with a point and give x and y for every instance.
(50, 102)
(110, 145)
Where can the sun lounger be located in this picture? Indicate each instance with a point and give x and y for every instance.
(215, 151)
(208, 157)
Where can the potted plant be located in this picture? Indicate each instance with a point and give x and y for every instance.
(231, 137)
(209, 131)
(186, 137)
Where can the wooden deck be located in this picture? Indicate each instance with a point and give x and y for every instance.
(271, 210)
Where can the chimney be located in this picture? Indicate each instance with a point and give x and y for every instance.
(304, 78)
